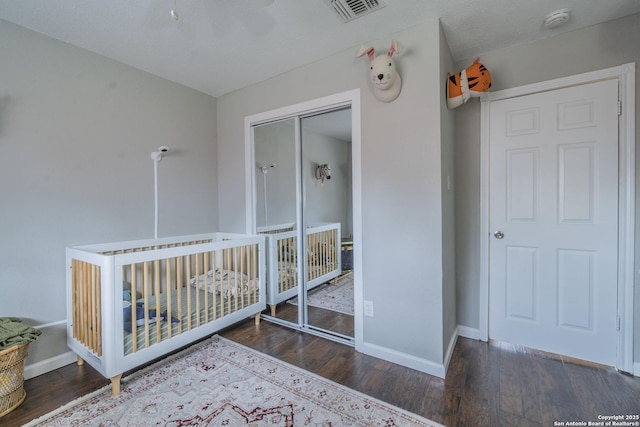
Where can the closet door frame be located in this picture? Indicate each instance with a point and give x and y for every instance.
(348, 99)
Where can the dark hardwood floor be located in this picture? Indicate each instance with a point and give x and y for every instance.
(488, 384)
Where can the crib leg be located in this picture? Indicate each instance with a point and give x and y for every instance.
(115, 385)
(80, 361)
(273, 309)
(256, 321)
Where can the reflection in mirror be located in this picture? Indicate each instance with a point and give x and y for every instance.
(318, 171)
(328, 218)
(276, 201)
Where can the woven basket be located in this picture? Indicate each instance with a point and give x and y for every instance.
(12, 392)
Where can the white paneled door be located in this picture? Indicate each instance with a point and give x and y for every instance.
(554, 217)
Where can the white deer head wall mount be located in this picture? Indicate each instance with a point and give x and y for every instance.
(384, 76)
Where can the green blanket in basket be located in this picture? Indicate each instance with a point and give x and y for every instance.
(14, 332)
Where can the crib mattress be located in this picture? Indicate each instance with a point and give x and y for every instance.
(184, 319)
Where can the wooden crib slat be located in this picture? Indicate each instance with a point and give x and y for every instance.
(309, 242)
(146, 286)
(324, 251)
(188, 272)
(73, 295)
(281, 260)
(205, 267)
(319, 264)
(254, 266)
(99, 312)
(335, 253)
(243, 273)
(75, 282)
(214, 267)
(91, 326)
(81, 311)
(86, 270)
(320, 248)
(168, 281)
(95, 319)
(86, 309)
(236, 278)
(228, 287)
(80, 327)
(286, 257)
(249, 273)
(292, 278)
(156, 282)
(134, 296)
(179, 286)
(87, 306)
(255, 270)
(197, 276)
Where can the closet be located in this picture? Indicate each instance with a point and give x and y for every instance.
(301, 193)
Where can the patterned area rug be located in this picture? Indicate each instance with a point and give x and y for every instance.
(333, 296)
(222, 383)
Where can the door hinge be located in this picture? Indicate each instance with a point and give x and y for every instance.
(619, 107)
(617, 323)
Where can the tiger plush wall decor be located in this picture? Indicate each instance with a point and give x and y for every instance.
(471, 82)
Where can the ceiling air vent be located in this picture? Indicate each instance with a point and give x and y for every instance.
(348, 10)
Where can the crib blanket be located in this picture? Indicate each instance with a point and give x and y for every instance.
(227, 282)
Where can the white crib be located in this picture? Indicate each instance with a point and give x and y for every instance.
(129, 303)
(323, 261)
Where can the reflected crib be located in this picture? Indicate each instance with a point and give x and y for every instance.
(323, 261)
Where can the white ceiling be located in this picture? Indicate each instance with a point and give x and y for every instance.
(218, 46)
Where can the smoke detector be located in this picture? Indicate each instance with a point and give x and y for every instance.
(348, 10)
(556, 18)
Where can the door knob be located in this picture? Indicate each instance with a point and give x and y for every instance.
(499, 234)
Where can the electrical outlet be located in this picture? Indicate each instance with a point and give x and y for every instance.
(368, 308)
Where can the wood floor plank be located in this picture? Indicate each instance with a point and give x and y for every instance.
(479, 400)
(526, 375)
(556, 395)
(511, 394)
(598, 391)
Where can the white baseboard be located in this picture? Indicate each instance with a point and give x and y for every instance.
(636, 369)
(450, 348)
(413, 362)
(467, 332)
(44, 366)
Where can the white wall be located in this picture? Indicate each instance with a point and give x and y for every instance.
(401, 182)
(597, 47)
(76, 134)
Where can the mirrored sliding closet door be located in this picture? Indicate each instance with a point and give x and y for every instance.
(276, 212)
(303, 205)
(328, 213)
